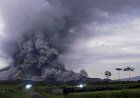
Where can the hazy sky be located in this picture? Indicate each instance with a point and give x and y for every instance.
(113, 41)
(103, 35)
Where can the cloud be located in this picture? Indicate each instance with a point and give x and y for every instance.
(84, 32)
(32, 29)
(114, 43)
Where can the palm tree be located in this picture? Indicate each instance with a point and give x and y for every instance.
(107, 74)
(119, 69)
(129, 69)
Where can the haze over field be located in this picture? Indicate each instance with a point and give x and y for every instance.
(94, 35)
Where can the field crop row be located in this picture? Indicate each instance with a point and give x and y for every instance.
(19, 94)
(131, 93)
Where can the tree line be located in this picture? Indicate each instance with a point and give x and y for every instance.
(128, 68)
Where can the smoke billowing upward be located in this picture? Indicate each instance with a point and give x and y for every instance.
(61, 20)
(55, 18)
(36, 31)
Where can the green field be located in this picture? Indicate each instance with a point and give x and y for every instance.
(132, 93)
(117, 90)
(18, 94)
(89, 87)
(12, 91)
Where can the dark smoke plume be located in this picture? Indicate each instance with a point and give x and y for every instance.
(35, 31)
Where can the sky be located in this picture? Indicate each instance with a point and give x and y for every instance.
(100, 35)
(113, 42)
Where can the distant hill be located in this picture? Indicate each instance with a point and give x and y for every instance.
(137, 78)
(4, 69)
(93, 79)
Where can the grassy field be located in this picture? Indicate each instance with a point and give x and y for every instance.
(131, 93)
(89, 88)
(12, 91)
(130, 90)
(19, 94)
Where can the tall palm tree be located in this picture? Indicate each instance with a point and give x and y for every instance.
(129, 69)
(119, 69)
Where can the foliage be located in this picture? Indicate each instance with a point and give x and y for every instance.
(133, 93)
(108, 74)
(108, 94)
(119, 69)
(96, 90)
(18, 94)
(129, 69)
(52, 95)
(11, 90)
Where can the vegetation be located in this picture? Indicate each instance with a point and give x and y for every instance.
(133, 93)
(54, 95)
(119, 69)
(92, 90)
(100, 86)
(108, 74)
(129, 69)
(12, 90)
(10, 94)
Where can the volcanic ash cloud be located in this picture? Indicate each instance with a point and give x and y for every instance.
(35, 30)
(36, 60)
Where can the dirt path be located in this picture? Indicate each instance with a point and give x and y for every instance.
(34, 95)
